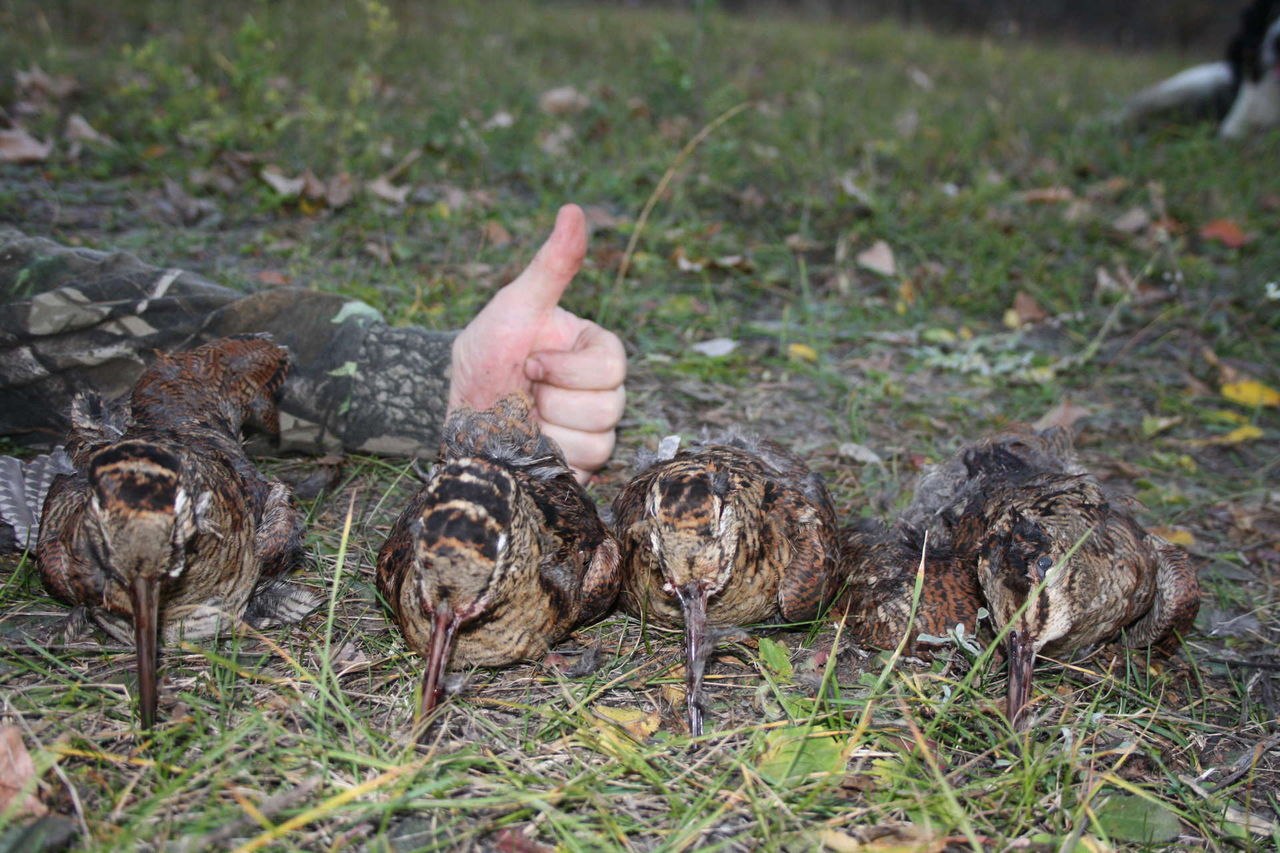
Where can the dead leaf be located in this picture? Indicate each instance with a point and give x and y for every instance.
(802, 352)
(715, 348)
(496, 235)
(285, 187)
(499, 120)
(312, 187)
(37, 83)
(878, 259)
(381, 187)
(1239, 435)
(17, 771)
(1251, 392)
(563, 100)
(79, 130)
(1153, 426)
(178, 207)
(801, 243)
(512, 840)
(601, 218)
(18, 146)
(340, 190)
(1226, 232)
(636, 723)
(1046, 195)
(1025, 311)
(1179, 536)
(1063, 415)
(347, 657)
(859, 453)
(904, 838)
(1132, 221)
(275, 278)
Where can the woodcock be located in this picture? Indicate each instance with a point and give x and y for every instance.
(1025, 531)
(728, 533)
(166, 524)
(501, 554)
(881, 563)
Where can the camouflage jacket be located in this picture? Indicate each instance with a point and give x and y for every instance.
(73, 319)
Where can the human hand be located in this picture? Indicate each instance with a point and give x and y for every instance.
(522, 340)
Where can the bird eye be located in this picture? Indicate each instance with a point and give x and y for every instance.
(1044, 564)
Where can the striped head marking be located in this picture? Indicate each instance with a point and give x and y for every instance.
(463, 538)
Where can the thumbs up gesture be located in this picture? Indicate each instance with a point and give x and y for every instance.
(524, 341)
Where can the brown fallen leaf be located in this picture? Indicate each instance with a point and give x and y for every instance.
(1046, 195)
(1025, 311)
(636, 723)
(1063, 415)
(274, 278)
(17, 771)
(312, 187)
(18, 146)
(381, 187)
(340, 190)
(496, 234)
(512, 840)
(1226, 232)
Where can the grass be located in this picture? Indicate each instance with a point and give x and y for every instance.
(852, 133)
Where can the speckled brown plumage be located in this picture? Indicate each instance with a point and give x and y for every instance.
(1120, 581)
(501, 554)
(728, 533)
(166, 524)
(881, 564)
(1017, 510)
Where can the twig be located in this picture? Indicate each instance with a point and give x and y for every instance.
(1245, 762)
(651, 202)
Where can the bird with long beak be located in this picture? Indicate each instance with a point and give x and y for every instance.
(166, 528)
(729, 533)
(1062, 567)
(500, 555)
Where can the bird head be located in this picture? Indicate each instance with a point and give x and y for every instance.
(141, 525)
(1033, 563)
(693, 529)
(473, 533)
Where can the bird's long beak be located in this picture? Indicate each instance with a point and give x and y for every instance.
(145, 593)
(693, 601)
(1022, 662)
(444, 624)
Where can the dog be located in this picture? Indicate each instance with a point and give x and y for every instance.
(1241, 92)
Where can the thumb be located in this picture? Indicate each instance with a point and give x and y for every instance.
(540, 286)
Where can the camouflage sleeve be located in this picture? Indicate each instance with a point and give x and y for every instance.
(77, 319)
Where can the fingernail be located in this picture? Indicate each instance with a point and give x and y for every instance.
(534, 370)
